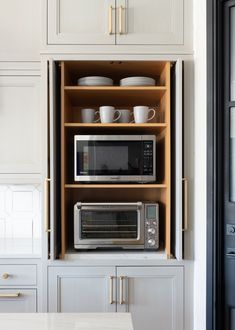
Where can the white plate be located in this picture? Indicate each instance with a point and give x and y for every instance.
(95, 81)
(137, 81)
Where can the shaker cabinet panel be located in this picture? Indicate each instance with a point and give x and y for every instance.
(81, 22)
(153, 295)
(20, 28)
(20, 124)
(81, 289)
(18, 301)
(152, 22)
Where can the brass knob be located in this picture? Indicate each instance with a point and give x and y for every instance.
(5, 276)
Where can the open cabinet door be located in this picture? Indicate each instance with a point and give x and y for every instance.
(54, 125)
(178, 175)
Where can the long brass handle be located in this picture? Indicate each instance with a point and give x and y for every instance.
(46, 215)
(121, 9)
(9, 295)
(111, 19)
(185, 182)
(111, 290)
(121, 301)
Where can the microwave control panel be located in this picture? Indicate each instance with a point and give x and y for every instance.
(151, 226)
(148, 158)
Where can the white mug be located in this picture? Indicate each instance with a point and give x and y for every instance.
(141, 113)
(125, 115)
(107, 114)
(88, 115)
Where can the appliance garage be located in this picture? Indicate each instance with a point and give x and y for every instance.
(116, 164)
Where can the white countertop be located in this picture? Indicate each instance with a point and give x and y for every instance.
(66, 321)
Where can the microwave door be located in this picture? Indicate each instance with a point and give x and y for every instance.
(106, 161)
(113, 226)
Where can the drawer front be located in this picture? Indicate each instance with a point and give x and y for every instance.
(18, 275)
(18, 301)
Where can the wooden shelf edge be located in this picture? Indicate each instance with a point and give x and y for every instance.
(115, 88)
(129, 125)
(120, 186)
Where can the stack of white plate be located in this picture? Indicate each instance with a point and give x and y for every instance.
(137, 81)
(95, 81)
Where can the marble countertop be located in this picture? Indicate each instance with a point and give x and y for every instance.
(66, 321)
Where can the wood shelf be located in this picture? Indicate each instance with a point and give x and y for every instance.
(116, 186)
(113, 95)
(115, 88)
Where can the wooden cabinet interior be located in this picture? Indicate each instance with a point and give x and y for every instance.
(74, 97)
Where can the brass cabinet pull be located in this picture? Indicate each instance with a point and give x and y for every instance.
(111, 290)
(46, 196)
(5, 276)
(9, 295)
(121, 9)
(121, 301)
(111, 19)
(185, 182)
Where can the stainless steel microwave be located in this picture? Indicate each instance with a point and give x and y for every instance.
(116, 225)
(115, 158)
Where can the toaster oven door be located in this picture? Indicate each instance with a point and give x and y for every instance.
(109, 225)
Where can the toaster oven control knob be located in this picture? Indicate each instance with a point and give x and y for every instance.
(151, 242)
(151, 231)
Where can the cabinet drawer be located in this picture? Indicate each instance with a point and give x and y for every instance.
(18, 301)
(18, 275)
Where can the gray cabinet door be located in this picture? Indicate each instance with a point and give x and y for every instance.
(18, 301)
(152, 22)
(82, 289)
(153, 296)
(81, 22)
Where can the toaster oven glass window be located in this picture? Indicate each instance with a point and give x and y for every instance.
(109, 157)
(108, 224)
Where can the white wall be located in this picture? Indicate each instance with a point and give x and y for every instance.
(200, 164)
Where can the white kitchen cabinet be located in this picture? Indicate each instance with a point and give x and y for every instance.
(152, 22)
(164, 24)
(153, 296)
(18, 300)
(20, 124)
(82, 289)
(20, 28)
(81, 21)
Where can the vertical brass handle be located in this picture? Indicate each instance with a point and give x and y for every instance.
(120, 16)
(111, 290)
(111, 19)
(121, 301)
(46, 197)
(185, 182)
(9, 295)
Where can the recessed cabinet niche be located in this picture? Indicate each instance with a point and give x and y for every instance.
(65, 122)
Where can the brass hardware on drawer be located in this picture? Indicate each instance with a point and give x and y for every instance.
(5, 276)
(9, 295)
(185, 182)
(121, 9)
(121, 301)
(46, 196)
(111, 290)
(111, 19)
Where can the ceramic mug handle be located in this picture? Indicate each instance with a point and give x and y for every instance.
(119, 115)
(154, 112)
(97, 113)
(133, 120)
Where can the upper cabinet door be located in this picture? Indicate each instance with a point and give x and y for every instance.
(20, 125)
(152, 22)
(81, 22)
